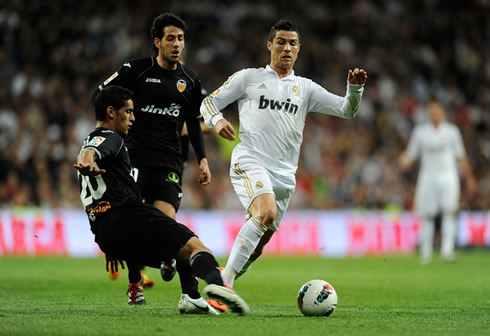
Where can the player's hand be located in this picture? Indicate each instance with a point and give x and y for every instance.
(88, 169)
(405, 162)
(205, 176)
(358, 76)
(225, 129)
(112, 264)
(85, 163)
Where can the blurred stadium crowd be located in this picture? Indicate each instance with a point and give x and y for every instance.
(54, 53)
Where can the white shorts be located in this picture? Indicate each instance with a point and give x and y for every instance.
(251, 180)
(435, 194)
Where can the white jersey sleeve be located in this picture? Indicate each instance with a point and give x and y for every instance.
(458, 142)
(325, 102)
(413, 148)
(231, 90)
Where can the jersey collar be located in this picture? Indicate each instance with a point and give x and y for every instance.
(291, 76)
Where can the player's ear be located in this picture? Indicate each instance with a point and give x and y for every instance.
(156, 42)
(269, 45)
(110, 112)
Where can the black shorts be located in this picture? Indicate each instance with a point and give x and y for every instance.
(140, 233)
(160, 184)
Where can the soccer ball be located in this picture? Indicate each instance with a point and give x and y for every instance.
(317, 298)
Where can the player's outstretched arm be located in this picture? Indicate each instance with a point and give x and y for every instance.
(225, 129)
(357, 76)
(86, 164)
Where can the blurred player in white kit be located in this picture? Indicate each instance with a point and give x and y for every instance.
(439, 146)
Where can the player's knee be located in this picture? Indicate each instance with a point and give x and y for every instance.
(267, 216)
(192, 246)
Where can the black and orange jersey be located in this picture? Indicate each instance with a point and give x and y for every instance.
(163, 100)
(116, 186)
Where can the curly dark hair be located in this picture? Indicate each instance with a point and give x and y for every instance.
(163, 20)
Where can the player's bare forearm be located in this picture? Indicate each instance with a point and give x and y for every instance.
(86, 164)
(225, 129)
(357, 76)
(468, 174)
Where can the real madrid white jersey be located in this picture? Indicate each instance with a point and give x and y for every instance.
(272, 113)
(438, 148)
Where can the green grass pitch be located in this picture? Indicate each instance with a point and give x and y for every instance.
(390, 295)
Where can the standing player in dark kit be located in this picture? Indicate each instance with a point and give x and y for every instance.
(166, 94)
(117, 214)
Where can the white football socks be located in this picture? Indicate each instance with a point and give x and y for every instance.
(427, 239)
(245, 268)
(448, 236)
(245, 243)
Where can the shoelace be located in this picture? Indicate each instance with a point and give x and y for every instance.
(133, 290)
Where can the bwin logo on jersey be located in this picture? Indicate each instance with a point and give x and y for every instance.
(153, 80)
(172, 110)
(278, 105)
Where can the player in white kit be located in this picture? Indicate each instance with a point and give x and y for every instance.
(272, 103)
(439, 146)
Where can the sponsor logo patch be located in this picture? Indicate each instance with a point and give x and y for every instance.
(173, 178)
(272, 104)
(181, 85)
(96, 141)
(153, 80)
(215, 93)
(108, 80)
(98, 209)
(262, 86)
(172, 110)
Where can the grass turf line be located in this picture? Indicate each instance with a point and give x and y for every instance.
(377, 296)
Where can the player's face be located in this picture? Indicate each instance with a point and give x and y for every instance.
(284, 49)
(171, 46)
(436, 113)
(124, 118)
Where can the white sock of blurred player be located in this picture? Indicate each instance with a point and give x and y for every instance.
(448, 236)
(245, 243)
(427, 239)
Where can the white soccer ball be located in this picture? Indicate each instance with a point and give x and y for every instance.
(317, 298)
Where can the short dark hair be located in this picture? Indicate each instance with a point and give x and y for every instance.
(282, 24)
(114, 96)
(160, 22)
